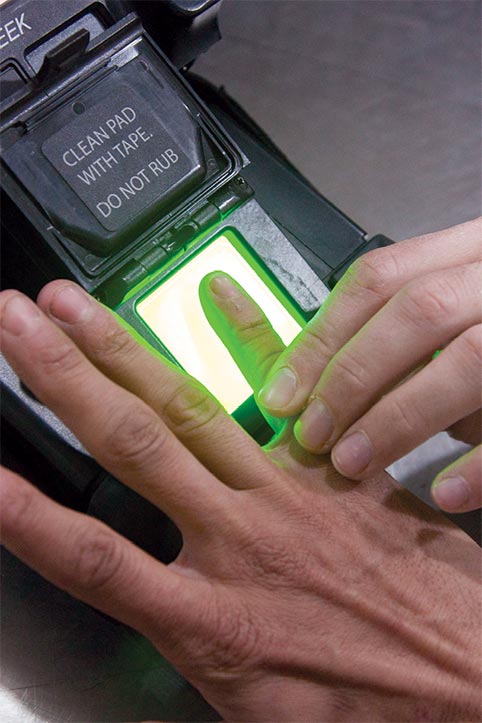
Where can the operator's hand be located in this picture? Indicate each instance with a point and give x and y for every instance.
(298, 596)
(361, 372)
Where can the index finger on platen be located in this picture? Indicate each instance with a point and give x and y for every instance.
(242, 326)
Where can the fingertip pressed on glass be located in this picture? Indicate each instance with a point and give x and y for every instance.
(174, 313)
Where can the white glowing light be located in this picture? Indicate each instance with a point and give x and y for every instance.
(174, 313)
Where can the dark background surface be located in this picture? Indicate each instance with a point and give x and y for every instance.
(378, 103)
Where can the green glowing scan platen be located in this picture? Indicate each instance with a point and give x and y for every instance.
(174, 314)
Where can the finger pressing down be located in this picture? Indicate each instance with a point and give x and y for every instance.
(242, 327)
(459, 487)
(362, 292)
(245, 331)
(120, 430)
(183, 404)
(421, 318)
(437, 396)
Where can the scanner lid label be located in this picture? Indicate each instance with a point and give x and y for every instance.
(117, 157)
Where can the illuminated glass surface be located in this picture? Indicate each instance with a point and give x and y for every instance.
(174, 313)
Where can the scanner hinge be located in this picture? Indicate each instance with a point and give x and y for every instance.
(156, 254)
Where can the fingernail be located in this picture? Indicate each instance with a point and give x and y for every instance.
(315, 426)
(70, 304)
(451, 493)
(20, 316)
(280, 390)
(353, 454)
(223, 287)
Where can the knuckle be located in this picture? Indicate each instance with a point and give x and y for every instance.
(137, 434)
(98, 557)
(275, 562)
(405, 420)
(428, 304)
(190, 409)
(376, 271)
(115, 342)
(347, 367)
(63, 358)
(231, 639)
(253, 329)
(317, 336)
(237, 637)
(274, 554)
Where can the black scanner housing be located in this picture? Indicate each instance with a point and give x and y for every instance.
(61, 162)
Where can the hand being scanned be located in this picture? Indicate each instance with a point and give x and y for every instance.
(362, 374)
(297, 596)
